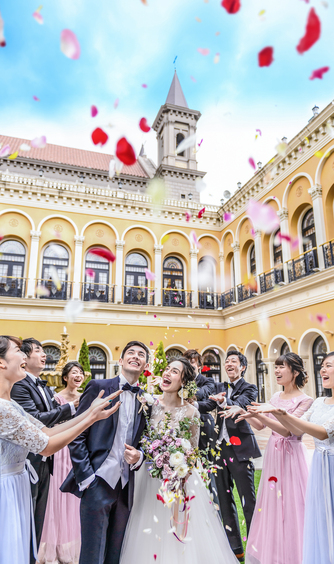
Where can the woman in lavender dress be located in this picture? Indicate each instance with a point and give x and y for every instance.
(318, 421)
(276, 532)
(61, 537)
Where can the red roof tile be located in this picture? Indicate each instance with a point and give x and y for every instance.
(68, 156)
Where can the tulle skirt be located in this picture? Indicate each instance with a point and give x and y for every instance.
(206, 540)
(15, 518)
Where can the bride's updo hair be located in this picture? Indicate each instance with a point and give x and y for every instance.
(295, 363)
(5, 342)
(188, 372)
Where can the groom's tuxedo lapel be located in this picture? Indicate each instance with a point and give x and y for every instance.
(113, 420)
(137, 417)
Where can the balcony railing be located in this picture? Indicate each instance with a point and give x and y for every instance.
(64, 292)
(138, 295)
(12, 286)
(245, 292)
(268, 280)
(176, 298)
(227, 298)
(328, 250)
(304, 265)
(208, 300)
(97, 292)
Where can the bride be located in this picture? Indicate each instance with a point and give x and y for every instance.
(149, 535)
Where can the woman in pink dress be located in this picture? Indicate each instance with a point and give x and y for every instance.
(60, 542)
(276, 532)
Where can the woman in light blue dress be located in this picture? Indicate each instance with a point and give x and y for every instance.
(21, 433)
(318, 421)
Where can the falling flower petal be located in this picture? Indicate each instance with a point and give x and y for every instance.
(319, 73)
(144, 126)
(144, 85)
(217, 33)
(157, 190)
(281, 148)
(193, 79)
(36, 99)
(228, 216)
(116, 103)
(39, 142)
(164, 239)
(198, 20)
(235, 441)
(149, 275)
(186, 143)
(104, 253)
(262, 13)
(266, 57)
(72, 310)
(155, 519)
(258, 131)
(90, 273)
(2, 37)
(25, 147)
(272, 479)
(147, 531)
(203, 52)
(42, 291)
(13, 156)
(194, 239)
(187, 215)
(318, 154)
(201, 213)
(38, 17)
(125, 152)
(151, 343)
(154, 556)
(263, 217)
(252, 163)
(94, 111)
(69, 44)
(99, 137)
(312, 32)
(231, 6)
(216, 58)
(6, 150)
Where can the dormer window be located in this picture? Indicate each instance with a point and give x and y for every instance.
(179, 139)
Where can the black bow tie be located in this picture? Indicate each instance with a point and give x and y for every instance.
(128, 388)
(41, 383)
(231, 385)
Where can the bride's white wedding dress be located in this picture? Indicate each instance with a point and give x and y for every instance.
(206, 540)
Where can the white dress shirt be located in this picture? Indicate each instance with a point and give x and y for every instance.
(114, 466)
(35, 379)
(223, 431)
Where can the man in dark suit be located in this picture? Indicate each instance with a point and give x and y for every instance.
(238, 446)
(104, 458)
(36, 398)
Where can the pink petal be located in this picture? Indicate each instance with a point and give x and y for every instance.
(144, 125)
(151, 343)
(6, 150)
(319, 73)
(69, 44)
(116, 103)
(193, 79)
(252, 163)
(149, 275)
(258, 131)
(38, 17)
(188, 215)
(228, 216)
(39, 142)
(2, 37)
(36, 99)
(203, 52)
(90, 273)
(94, 111)
(144, 85)
(194, 239)
(263, 217)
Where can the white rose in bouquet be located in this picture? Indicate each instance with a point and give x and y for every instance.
(148, 398)
(176, 459)
(185, 444)
(182, 471)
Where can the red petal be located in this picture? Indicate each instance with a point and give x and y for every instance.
(312, 33)
(143, 125)
(266, 57)
(272, 479)
(108, 255)
(160, 498)
(235, 441)
(205, 368)
(125, 152)
(99, 136)
(319, 73)
(147, 373)
(231, 6)
(94, 111)
(154, 556)
(201, 212)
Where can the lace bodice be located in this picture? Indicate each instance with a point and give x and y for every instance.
(20, 433)
(295, 406)
(177, 413)
(322, 413)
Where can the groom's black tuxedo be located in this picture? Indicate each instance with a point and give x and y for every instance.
(235, 461)
(205, 388)
(104, 511)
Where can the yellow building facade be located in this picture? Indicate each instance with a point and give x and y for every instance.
(200, 297)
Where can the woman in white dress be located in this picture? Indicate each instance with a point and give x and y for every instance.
(20, 433)
(149, 536)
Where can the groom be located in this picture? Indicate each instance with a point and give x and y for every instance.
(104, 457)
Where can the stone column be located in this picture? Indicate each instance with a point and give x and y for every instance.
(78, 241)
(237, 270)
(33, 258)
(319, 221)
(119, 271)
(283, 215)
(194, 276)
(158, 273)
(222, 272)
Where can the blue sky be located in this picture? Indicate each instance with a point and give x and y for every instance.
(125, 44)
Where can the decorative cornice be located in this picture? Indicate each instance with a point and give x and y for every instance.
(283, 214)
(315, 191)
(235, 246)
(158, 249)
(79, 239)
(193, 253)
(35, 235)
(119, 245)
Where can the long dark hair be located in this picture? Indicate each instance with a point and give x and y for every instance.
(295, 363)
(188, 371)
(67, 369)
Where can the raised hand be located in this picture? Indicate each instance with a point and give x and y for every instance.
(261, 408)
(219, 398)
(98, 407)
(131, 454)
(232, 411)
(245, 415)
(99, 400)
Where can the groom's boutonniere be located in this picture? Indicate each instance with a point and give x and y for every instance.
(146, 400)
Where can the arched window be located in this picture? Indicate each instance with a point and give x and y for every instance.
(12, 257)
(135, 291)
(261, 370)
(308, 231)
(55, 264)
(206, 283)
(211, 359)
(284, 348)
(98, 363)
(277, 249)
(173, 353)
(96, 285)
(179, 139)
(252, 260)
(173, 283)
(52, 357)
(319, 351)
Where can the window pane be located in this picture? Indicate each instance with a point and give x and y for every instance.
(12, 247)
(136, 259)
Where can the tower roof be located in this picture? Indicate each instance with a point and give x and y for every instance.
(175, 95)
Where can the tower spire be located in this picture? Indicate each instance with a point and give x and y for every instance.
(175, 95)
